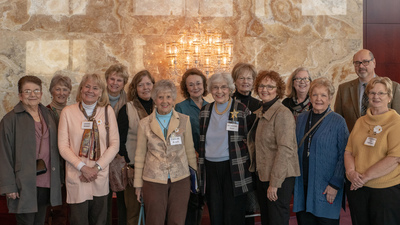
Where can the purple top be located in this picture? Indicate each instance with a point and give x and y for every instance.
(43, 151)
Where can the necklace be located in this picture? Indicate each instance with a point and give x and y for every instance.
(226, 109)
(165, 129)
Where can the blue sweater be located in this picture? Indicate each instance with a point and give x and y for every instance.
(326, 165)
(188, 107)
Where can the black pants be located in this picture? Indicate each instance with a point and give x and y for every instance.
(307, 218)
(277, 212)
(89, 212)
(194, 210)
(373, 206)
(223, 206)
(38, 218)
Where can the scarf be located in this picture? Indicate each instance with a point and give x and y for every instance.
(90, 146)
(57, 108)
(298, 108)
(121, 102)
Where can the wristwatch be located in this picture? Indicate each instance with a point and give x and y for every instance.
(98, 166)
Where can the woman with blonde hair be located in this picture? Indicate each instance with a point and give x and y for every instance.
(88, 144)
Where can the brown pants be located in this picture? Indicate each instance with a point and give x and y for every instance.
(132, 206)
(166, 200)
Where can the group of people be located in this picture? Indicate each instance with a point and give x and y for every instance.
(243, 148)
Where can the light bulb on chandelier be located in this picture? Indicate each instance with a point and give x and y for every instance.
(204, 50)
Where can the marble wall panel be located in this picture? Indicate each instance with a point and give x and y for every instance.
(87, 36)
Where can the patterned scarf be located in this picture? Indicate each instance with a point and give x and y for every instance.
(90, 146)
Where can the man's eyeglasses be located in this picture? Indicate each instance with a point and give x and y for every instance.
(364, 62)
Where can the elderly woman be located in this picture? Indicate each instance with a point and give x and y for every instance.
(322, 136)
(297, 88)
(164, 153)
(272, 148)
(60, 89)
(243, 75)
(223, 155)
(372, 159)
(139, 106)
(28, 135)
(88, 147)
(194, 88)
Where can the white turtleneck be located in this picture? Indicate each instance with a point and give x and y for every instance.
(89, 108)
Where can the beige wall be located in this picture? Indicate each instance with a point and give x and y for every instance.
(40, 37)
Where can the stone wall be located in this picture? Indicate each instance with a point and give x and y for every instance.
(40, 37)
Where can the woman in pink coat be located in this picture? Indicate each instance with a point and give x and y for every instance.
(82, 141)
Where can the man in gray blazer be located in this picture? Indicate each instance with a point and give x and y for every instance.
(349, 96)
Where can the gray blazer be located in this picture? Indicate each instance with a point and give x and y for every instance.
(18, 159)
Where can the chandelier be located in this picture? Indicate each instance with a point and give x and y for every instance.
(204, 50)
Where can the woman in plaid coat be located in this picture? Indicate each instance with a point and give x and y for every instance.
(223, 157)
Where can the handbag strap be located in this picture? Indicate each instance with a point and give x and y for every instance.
(107, 128)
(312, 128)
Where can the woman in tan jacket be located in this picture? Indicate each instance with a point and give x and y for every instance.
(273, 150)
(163, 154)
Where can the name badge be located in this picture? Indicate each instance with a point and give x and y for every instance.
(232, 125)
(370, 141)
(87, 125)
(175, 140)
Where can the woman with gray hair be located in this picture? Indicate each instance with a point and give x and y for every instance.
(164, 153)
(372, 159)
(321, 136)
(297, 88)
(60, 89)
(223, 156)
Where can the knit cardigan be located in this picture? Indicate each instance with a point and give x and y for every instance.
(242, 181)
(387, 144)
(326, 166)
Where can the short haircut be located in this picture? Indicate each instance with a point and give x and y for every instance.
(192, 71)
(322, 82)
(60, 79)
(132, 91)
(290, 90)
(103, 100)
(29, 79)
(163, 86)
(381, 80)
(218, 77)
(241, 68)
(274, 76)
(120, 70)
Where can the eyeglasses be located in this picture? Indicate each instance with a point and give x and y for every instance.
(364, 62)
(299, 80)
(29, 92)
(269, 87)
(245, 78)
(223, 87)
(379, 94)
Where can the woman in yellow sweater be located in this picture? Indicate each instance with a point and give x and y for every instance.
(372, 159)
